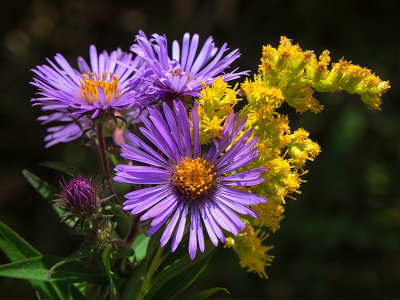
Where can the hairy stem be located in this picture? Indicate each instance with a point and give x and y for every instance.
(104, 160)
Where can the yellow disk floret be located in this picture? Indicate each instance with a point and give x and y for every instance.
(92, 81)
(194, 177)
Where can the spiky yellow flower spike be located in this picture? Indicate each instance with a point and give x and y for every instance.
(252, 253)
(215, 104)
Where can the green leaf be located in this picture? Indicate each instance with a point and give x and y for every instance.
(48, 192)
(81, 253)
(16, 248)
(140, 246)
(36, 268)
(135, 282)
(106, 262)
(206, 293)
(62, 167)
(189, 269)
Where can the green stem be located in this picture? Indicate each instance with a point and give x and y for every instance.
(144, 289)
(104, 160)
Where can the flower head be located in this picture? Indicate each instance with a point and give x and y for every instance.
(188, 180)
(109, 83)
(183, 73)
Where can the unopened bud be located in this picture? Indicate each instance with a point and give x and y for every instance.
(79, 196)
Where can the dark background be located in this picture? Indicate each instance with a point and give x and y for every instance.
(339, 240)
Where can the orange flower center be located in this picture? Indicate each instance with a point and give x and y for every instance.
(194, 177)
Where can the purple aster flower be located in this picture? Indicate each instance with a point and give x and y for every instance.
(188, 180)
(109, 83)
(184, 73)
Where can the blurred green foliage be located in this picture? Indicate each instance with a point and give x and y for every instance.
(339, 239)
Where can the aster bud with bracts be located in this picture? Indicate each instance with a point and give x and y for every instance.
(80, 197)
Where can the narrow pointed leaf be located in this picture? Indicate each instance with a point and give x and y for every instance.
(36, 268)
(106, 262)
(206, 293)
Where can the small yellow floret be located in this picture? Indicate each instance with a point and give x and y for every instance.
(252, 254)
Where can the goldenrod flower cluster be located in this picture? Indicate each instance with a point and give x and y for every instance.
(298, 73)
(215, 104)
(286, 75)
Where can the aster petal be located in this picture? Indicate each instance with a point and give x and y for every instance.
(200, 234)
(230, 132)
(137, 141)
(192, 52)
(165, 131)
(185, 49)
(171, 226)
(229, 155)
(246, 178)
(208, 225)
(148, 203)
(184, 126)
(101, 64)
(140, 156)
(83, 66)
(193, 235)
(146, 191)
(230, 214)
(174, 129)
(144, 171)
(146, 199)
(93, 59)
(203, 56)
(102, 95)
(66, 67)
(155, 228)
(167, 212)
(180, 228)
(216, 59)
(157, 140)
(214, 225)
(223, 221)
(240, 196)
(175, 50)
(160, 208)
(241, 162)
(129, 175)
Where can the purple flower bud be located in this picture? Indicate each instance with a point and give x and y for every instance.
(80, 197)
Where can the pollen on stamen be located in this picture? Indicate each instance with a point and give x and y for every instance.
(90, 83)
(194, 177)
